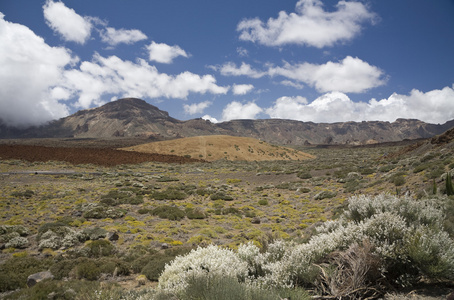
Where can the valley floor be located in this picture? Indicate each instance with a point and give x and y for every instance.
(163, 206)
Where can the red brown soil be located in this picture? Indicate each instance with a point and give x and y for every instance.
(97, 156)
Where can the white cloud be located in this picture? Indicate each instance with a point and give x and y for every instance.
(292, 84)
(230, 69)
(196, 108)
(210, 118)
(164, 53)
(114, 36)
(66, 22)
(309, 25)
(112, 75)
(29, 73)
(436, 106)
(236, 110)
(351, 75)
(242, 89)
(242, 52)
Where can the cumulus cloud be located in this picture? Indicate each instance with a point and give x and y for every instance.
(30, 74)
(236, 110)
(210, 118)
(66, 22)
(242, 89)
(164, 53)
(309, 25)
(112, 75)
(196, 108)
(436, 106)
(351, 75)
(114, 36)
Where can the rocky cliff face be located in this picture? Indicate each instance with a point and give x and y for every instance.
(132, 117)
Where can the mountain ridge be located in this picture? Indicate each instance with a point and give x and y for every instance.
(132, 117)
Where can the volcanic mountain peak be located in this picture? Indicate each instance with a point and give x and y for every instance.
(127, 107)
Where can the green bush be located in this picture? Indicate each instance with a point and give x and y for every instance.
(221, 196)
(25, 194)
(125, 196)
(99, 248)
(152, 265)
(95, 233)
(14, 271)
(155, 265)
(195, 213)
(226, 288)
(102, 212)
(168, 212)
(304, 175)
(88, 268)
(171, 193)
(143, 211)
(263, 202)
(62, 290)
(167, 179)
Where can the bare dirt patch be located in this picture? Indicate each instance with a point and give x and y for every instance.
(217, 147)
(97, 156)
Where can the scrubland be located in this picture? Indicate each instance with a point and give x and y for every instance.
(351, 223)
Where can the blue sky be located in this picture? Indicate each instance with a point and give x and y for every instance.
(308, 60)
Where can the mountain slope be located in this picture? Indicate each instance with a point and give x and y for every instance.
(131, 117)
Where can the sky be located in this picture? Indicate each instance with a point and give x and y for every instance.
(308, 60)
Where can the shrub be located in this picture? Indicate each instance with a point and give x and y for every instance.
(17, 242)
(263, 202)
(87, 269)
(57, 234)
(325, 194)
(376, 242)
(25, 194)
(102, 212)
(304, 175)
(202, 262)
(221, 196)
(143, 211)
(170, 193)
(195, 213)
(67, 290)
(95, 233)
(125, 196)
(14, 271)
(19, 229)
(168, 212)
(449, 186)
(221, 288)
(99, 248)
(398, 180)
(155, 265)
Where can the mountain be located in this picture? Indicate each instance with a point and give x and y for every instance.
(131, 117)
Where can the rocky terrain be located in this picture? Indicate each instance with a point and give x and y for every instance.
(132, 117)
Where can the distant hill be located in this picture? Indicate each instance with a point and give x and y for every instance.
(215, 147)
(131, 117)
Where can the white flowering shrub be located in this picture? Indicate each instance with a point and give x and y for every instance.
(209, 261)
(404, 237)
